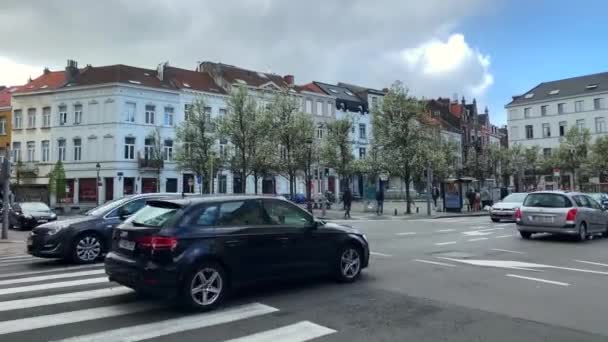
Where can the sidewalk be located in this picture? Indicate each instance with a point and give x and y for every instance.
(15, 245)
(418, 209)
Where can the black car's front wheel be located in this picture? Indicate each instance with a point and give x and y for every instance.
(205, 288)
(87, 248)
(348, 264)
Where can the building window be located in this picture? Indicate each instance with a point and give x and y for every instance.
(561, 108)
(580, 124)
(223, 112)
(46, 117)
(168, 150)
(514, 132)
(148, 148)
(31, 118)
(598, 103)
(319, 108)
(77, 114)
(207, 113)
(529, 132)
(562, 128)
(187, 111)
(527, 112)
(600, 125)
(352, 129)
(2, 126)
(45, 150)
(546, 152)
(77, 149)
(16, 151)
(31, 151)
(309, 106)
(61, 150)
(63, 115)
(578, 106)
(361, 152)
(129, 148)
(18, 119)
(543, 110)
(329, 109)
(168, 116)
(150, 112)
(320, 133)
(374, 102)
(129, 112)
(546, 130)
(362, 131)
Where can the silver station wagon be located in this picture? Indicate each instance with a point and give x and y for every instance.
(558, 212)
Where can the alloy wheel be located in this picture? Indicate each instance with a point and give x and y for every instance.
(206, 287)
(88, 248)
(350, 263)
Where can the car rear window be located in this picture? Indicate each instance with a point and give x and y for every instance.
(153, 215)
(547, 201)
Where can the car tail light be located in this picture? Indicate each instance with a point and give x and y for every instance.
(518, 214)
(156, 243)
(571, 215)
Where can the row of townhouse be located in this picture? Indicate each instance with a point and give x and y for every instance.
(96, 121)
(543, 115)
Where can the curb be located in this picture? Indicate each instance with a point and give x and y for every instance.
(464, 215)
(11, 241)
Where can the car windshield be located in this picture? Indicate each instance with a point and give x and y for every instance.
(34, 206)
(547, 201)
(515, 198)
(598, 196)
(153, 215)
(108, 206)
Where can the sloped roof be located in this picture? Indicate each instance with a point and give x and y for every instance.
(120, 73)
(190, 79)
(49, 80)
(233, 74)
(5, 96)
(564, 88)
(311, 87)
(341, 93)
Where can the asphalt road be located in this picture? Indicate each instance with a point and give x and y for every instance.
(461, 279)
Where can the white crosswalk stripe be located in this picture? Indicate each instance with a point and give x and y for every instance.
(16, 257)
(64, 301)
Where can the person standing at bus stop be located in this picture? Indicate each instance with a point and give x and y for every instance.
(347, 198)
(380, 201)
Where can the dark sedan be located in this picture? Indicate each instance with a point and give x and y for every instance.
(27, 215)
(85, 238)
(199, 249)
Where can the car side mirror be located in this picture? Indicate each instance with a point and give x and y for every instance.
(122, 213)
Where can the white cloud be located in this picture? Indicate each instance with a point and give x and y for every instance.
(13, 73)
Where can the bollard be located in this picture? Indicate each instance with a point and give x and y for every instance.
(395, 211)
(417, 210)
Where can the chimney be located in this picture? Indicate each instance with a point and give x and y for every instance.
(160, 70)
(46, 71)
(486, 110)
(289, 79)
(71, 70)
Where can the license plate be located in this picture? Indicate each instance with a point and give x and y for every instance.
(544, 219)
(126, 244)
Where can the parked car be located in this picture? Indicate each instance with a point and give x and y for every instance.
(505, 209)
(199, 249)
(566, 213)
(27, 215)
(600, 197)
(84, 239)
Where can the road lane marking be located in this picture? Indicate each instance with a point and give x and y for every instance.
(380, 254)
(539, 280)
(477, 239)
(503, 236)
(51, 277)
(476, 233)
(434, 262)
(175, 325)
(445, 230)
(22, 289)
(490, 229)
(298, 332)
(18, 274)
(507, 250)
(63, 298)
(592, 263)
(445, 243)
(16, 257)
(406, 233)
(31, 323)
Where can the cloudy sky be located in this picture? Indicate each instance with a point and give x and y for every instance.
(484, 49)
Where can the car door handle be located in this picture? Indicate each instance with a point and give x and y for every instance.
(233, 242)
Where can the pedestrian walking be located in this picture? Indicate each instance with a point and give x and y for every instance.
(470, 199)
(435, 194)
(347, 199)
(486, 199)
(380, 202)
(477, 199)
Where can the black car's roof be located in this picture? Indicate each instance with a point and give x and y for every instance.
(216, 198)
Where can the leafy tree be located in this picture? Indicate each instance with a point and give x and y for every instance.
(337, 150)
(572, 153)
(57, 181)
(598, 157)
(263, 151)
(195, 138)
(154, 154)
(402, 135)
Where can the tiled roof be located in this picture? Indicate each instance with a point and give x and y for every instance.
(190, 79)
(236, 75)
(119, 74)
(49, 80)
(341, 93)
(311, 87)
(546, 91)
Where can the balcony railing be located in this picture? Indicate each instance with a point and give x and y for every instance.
(27, 168)
(151, 163)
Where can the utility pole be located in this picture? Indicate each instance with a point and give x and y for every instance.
(6, 179)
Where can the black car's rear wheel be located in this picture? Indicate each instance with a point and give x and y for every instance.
(525, 235)
(494, 219)
(582, 232)
(86, 249)
(348, 264)
(205, 288)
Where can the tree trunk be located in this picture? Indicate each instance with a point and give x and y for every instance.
(255, 183)
(291, 184)
(408, 209)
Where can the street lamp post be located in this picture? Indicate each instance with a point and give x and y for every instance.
(97, 183)
(308, 178)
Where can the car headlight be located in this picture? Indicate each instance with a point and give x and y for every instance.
(29, 217)
(365, 238)
(56, 228)
(53, 215)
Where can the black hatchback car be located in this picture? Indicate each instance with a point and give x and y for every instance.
(27, 215)
(199, 249)
(85, 238)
